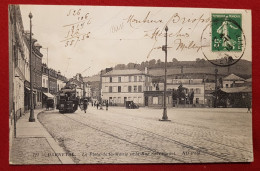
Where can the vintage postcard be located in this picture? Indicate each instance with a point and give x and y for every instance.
(110, 84)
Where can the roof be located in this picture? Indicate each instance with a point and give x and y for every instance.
(249, 80)
(233, 77)
(244, 89)
(94, 78)
(124, 72)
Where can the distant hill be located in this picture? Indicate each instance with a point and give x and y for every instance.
(200, 68)
(242, 68)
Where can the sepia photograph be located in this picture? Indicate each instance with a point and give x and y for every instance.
(129, 85)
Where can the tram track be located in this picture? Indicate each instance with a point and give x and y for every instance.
(152, 135)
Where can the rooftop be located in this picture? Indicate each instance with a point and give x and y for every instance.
(124, 72)
(233, 77)
(244, 89)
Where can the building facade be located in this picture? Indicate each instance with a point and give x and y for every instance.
(232, 80)
(18, 63)
(197, 86)
(61, 81)
(119, 86)
(191, 93)
(92, 87)
(37, 74)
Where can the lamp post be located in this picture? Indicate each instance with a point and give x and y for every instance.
(164, 48)
(31, 119)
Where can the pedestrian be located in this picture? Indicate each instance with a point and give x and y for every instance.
(248, 105)
(97, 105)
(106, 104)
(85, 105)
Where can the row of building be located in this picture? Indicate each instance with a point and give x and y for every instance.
(119, 86)
(46, 81)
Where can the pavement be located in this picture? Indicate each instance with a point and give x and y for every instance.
(119, 135)
(34, 145)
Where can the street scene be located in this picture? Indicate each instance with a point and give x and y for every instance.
(96, 85)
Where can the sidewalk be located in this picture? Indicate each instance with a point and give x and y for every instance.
(34, 145)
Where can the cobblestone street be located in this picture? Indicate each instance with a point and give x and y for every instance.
(122, 135)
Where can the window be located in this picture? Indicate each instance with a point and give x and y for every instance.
(135, 89)
(197, 91)
(197, 100)
(129, 78)
(140, 78)
(119, 79)
(110, 79)
(139, 88)
(110, 89)
(129, 88)
(227, 85)
(119, 88)
(155, 100)
(135, 78)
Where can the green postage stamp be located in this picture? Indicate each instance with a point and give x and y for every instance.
(226, 32)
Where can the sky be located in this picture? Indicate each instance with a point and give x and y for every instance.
(86, 39)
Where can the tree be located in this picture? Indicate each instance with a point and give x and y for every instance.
(174, 60)
(131, 65)
(180, 93)
(152, 63)
(120, 66)
(191, 97)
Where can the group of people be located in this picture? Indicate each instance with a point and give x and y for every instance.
(100, 105)
(84, 104)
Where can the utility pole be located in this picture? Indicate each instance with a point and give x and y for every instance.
(164, 48)
(31, 119)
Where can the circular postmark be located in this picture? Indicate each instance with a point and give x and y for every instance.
(223, 41)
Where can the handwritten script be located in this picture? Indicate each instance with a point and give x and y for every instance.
(77, 30)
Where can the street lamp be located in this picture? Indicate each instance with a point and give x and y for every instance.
(31, 119)
(164, 48)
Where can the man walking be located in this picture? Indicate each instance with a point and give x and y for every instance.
(106, 104)
(97, 104)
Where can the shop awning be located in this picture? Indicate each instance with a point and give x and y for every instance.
(48, 95)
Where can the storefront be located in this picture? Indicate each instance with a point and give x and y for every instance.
(155, 98)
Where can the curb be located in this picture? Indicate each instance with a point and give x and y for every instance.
(58, 151)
